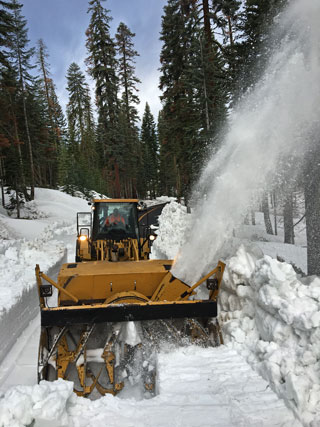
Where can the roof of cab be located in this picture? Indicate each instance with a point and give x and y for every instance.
(115, 200)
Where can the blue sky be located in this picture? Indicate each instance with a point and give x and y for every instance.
(62, 25)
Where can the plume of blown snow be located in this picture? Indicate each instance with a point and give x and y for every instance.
(278, 118)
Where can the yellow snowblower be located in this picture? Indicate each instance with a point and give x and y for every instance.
(114, 306)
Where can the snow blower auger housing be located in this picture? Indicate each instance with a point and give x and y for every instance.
(89, 337)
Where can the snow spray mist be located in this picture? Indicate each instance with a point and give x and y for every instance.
(277, 118)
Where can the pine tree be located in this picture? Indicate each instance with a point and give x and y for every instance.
(54, 118)
(79, 112)
(254, 50)
(13, 166)
(102, 66)
(167, 158)
(20, 56)
(48, 87)
(182, 91)
(8, 84)
(127, 128)
(127, 78)
(223, 17)
(150, 150)
(6, 29)
(81, 128)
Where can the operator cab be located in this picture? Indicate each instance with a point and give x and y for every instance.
(111, 232)
(115, 220)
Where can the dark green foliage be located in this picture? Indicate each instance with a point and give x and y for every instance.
(181, 112)
(193, 97)
(6, 29)
(225, 18)
(127, 79)
(78, 164)
(53, 127)
(20, 55)
(150, 154)
(254, 49)
(130, 160)
(102, 67)
(167, 171)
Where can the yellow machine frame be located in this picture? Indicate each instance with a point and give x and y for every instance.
(97, 292)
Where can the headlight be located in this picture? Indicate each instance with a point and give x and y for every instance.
(83, 238)
(152, 237)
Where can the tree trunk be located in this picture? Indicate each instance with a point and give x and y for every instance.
(45, 80)
(253, 217)
(28, 137)
(275, 213)
(206, 19)
(117, 180)
(312, 202)
(2, 181)
(2, 195)
(205, 88)
(209, 80)
(17, 200)
(266, 213)
(288, 219)
(230, 31)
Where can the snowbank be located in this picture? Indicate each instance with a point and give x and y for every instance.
(269, 314)
(174, 224)
(272, 316)
(42, 239)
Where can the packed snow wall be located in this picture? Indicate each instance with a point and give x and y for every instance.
(272, 316)
(267, 312)
(17, 311)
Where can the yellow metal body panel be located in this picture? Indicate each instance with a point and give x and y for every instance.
(170, 289)
(99, 280)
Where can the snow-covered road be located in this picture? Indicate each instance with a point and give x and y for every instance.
(20, 365)
(196, 387)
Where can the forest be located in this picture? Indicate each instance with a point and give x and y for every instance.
(213, 53)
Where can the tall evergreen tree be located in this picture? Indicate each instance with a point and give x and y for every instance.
(127, 78)
(150, 150)
(11, 147)
(167, 158)
(223, 17)
(81, 129)
(128, 129)
(102, 67)
(182, 86)
(6, 29)
(21, 56)
(55, 121)
(254, 49)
